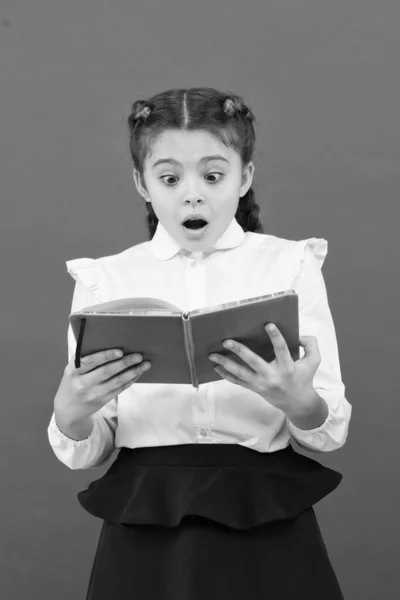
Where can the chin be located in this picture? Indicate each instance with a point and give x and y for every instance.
(204, 242)
(199, 246)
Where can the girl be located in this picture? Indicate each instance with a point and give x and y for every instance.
(207, 497)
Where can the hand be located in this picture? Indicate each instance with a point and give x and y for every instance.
(284, 383)
(84, 391)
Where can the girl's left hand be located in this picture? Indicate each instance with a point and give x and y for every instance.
(286, 384)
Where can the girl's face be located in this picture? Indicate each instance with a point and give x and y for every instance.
(182, 180)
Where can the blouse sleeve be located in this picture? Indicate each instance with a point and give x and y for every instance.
(96, 449)
(315, 319)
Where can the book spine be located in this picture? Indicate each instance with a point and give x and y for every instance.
(189, 347)
(79, 344)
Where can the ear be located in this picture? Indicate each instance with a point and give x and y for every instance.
(247, 178)
(140, 188)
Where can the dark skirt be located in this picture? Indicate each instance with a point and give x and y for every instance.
(196, 521)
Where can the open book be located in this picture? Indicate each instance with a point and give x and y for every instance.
(178, 343)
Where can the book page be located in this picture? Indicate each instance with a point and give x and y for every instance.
(133, 306)
(227, 305)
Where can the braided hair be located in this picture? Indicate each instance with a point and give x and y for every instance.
(223, 115)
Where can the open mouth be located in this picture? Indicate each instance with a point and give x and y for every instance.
(194, 223)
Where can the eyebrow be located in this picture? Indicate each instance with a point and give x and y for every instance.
(202, 160)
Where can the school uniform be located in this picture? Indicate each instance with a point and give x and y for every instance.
(207, 497)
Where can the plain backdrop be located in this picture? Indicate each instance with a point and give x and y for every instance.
(323, 80)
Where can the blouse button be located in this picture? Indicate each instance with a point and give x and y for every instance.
(193, 263)
(203, 432)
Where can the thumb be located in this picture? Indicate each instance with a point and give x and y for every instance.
(309, 343)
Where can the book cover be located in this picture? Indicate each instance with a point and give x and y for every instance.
(178, 343)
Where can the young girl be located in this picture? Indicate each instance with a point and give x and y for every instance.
(207, 497)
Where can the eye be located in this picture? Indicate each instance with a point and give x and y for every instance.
(208, 175)
(213, 174)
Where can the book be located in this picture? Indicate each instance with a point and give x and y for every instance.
(178, 343)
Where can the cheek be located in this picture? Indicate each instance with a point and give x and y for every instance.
(229, 204)
(167, 213)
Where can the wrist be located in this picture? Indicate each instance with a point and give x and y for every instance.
(76, 429)
(310, 413)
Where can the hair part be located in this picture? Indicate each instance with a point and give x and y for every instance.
(225, 116)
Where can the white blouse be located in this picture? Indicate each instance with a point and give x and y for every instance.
(241, 265)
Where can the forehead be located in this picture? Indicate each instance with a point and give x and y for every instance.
(188, 146)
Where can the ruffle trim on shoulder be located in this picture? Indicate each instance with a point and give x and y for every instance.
(87, 271)
(319, 248)
(237, 496)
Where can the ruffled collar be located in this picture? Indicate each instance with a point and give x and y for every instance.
(164, 246)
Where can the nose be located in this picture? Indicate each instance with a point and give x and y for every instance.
(193, 195)
(194, 201)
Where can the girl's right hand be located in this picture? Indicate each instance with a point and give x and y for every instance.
(101, 377)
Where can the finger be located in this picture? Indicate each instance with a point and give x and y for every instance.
(232, 367)
(311, 348)
(282, 354)
(230, 377)
(110, 369)
(92, 361)
(108, 373)
(123, 380)
(126, 375)
(255, 362)
(115, 391)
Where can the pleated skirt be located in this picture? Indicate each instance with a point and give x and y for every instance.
(214, 521)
